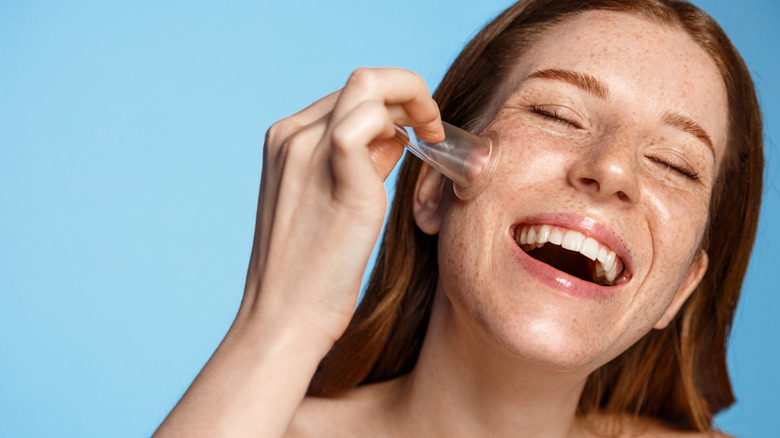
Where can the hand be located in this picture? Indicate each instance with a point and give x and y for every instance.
(322, 199)
(320, 211)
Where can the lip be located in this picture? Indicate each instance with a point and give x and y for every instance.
(560, 280)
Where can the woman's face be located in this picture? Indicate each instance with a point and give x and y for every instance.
(611, 137)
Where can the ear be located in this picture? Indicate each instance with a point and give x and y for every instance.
(690, 282)
(427, 200)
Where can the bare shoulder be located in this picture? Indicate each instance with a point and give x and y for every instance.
(357, 413)
(315, 417)
(628, 426)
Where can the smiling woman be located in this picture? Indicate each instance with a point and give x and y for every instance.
(586, 291)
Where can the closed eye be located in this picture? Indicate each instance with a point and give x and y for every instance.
(689, 173)
(554, 115)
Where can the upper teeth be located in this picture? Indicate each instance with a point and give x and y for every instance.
(537, 236)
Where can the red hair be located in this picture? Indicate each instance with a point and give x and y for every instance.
(677, 374)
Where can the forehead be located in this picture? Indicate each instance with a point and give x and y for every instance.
(647, 66)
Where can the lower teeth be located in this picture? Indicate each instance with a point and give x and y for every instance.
(600, 276)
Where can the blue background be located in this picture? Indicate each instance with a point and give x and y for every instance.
(130, 154)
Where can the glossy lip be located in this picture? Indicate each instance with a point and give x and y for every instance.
(562, 281)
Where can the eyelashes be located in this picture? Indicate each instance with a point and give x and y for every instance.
(555, 115)
(689, 173)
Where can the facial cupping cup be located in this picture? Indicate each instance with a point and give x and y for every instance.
(467, 159)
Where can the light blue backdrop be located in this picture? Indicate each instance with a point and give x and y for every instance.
(130, 152)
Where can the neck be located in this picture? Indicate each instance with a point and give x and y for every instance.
(465, 384)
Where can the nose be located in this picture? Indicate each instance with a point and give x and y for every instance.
(608, 171)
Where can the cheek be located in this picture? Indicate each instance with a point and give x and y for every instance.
(460, 239)
(464, 259)
(468, 228)
(530, 160)
(676, 230)
(678, 223)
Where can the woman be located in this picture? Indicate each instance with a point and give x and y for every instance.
(587, 291)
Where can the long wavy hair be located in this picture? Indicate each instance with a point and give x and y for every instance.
(677, 374)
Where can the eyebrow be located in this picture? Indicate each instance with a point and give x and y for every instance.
(684, 123)
(593, 86)
(582, 81)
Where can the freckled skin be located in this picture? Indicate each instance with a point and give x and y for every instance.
(505, 354)
(658, 213)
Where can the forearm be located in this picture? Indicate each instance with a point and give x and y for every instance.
(253, 384)
(320, 210)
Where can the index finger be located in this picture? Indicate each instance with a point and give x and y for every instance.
(394, 86)
(316, 110)
(284, 128)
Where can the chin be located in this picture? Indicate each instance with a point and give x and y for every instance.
(548, 339)
(553, 345)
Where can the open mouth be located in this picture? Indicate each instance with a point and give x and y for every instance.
(572, 252)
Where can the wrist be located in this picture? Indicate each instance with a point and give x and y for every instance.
(277, 335)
